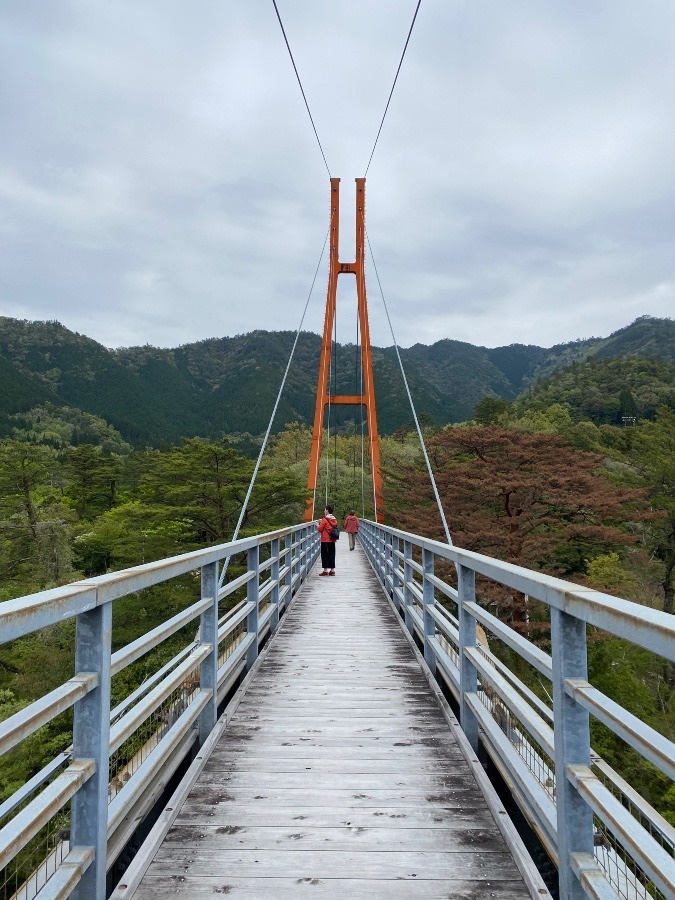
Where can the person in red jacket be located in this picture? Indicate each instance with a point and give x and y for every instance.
(325, 527)
(352, 528)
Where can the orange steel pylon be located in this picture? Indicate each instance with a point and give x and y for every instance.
(323, 398)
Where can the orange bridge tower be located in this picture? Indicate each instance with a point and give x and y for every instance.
(323, 398)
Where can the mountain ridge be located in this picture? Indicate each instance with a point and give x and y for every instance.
(155, 396)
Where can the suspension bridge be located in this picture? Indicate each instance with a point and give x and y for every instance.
(355, 736)
(335, 737)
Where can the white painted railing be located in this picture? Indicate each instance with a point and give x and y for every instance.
(76, 814)
(606, 839)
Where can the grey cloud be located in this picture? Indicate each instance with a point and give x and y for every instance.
(160, 182)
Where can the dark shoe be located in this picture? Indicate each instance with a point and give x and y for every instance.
(324, 573)
(331, 573)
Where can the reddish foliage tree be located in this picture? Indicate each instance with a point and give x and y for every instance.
(530, 499)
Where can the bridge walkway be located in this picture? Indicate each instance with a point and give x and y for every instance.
(338, 774)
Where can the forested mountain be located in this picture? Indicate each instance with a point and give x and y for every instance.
(607, 391)
(154, 396)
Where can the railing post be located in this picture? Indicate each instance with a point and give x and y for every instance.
(572, 747)
(91, 739)
(407, 579)
(364, 538)
(382, 556)
(208, 634)
(312, 545)
(302, 553)
(396, 573)
(288, 577)
(274, 621)
(428, 601)
(468, 676)
(253, 596)
(389, 572)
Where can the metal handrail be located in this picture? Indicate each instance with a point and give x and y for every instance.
(605, 839)
(166, 716)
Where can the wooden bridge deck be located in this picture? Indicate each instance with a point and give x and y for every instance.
(338, 774)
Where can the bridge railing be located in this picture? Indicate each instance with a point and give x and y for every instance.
(606, 839)
(65, 827)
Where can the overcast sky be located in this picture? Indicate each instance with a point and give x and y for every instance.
(160, 182)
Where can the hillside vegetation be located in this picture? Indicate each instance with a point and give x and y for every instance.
(607, 391)
(109, 459)
(155, 397)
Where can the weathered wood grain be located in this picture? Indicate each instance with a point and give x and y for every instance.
(159, 888)
(457, 796)
(394, 864)
(421, 815)
(338, 774)
(343, 838)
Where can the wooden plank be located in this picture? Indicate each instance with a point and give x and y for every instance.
(279, 764)
(344, 838)
(322, 781)
(339, 730)
(457, 796)
(419, 816)
(377, 744)
(327, 716)
(224, 863)
(159, 888)
(342, 701)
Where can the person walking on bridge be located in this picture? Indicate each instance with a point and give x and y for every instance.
(328, 538)
(352, 528)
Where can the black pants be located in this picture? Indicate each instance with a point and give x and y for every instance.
(328, 554)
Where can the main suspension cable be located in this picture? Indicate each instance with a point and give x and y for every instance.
(407, 40)
(412, 405)
(274, 412)
(302, 90)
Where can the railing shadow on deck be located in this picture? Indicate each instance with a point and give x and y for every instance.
(64, 828)
(605, 839)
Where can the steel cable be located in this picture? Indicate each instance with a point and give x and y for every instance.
(391, 92)
(274, 412)
(302, 90)
(412, 405)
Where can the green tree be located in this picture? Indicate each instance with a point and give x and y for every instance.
(653, 456)
(92, 480)
(203, 484)
(608, 572)
(291, 446)
(489, 409)
(129, 535)
(35, 549)
(628, 408)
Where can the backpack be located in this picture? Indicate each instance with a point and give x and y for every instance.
(335, 533)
